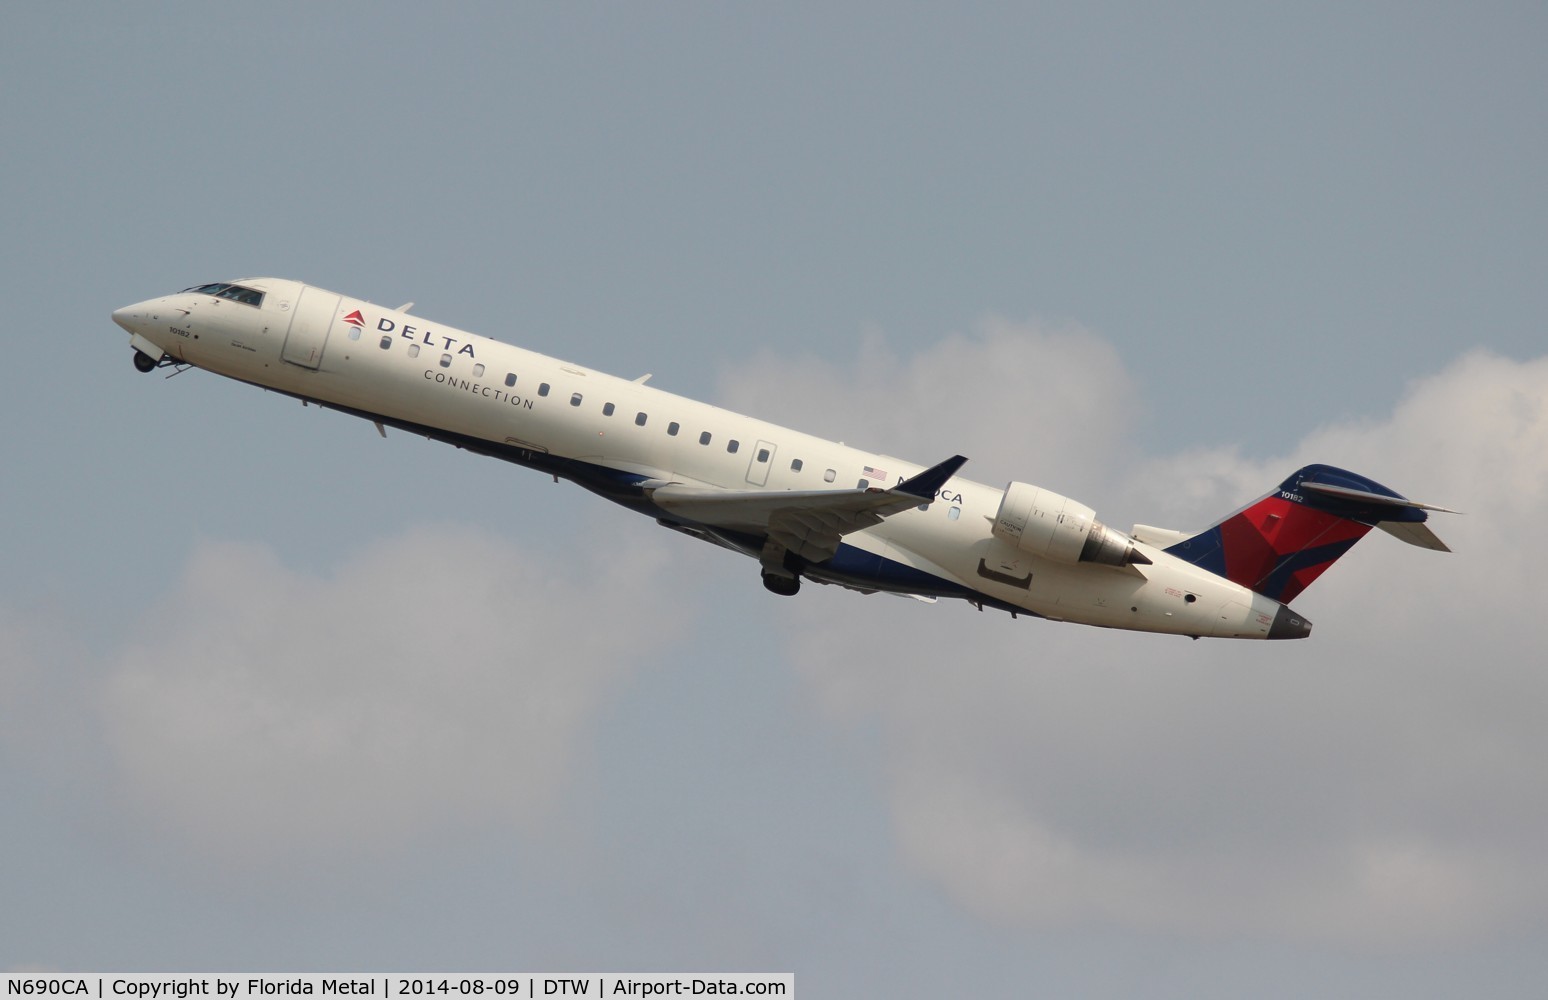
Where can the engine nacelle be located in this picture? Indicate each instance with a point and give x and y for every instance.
(1050, 526)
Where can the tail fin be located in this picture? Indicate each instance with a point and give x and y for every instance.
(1278, 545)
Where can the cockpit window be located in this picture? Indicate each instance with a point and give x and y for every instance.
(226, 290)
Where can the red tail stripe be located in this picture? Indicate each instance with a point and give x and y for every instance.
(1257, 540)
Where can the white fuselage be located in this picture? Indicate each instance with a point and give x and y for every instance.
(612, 434)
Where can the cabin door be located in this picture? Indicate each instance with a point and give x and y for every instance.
(310, 322)
(762, 461)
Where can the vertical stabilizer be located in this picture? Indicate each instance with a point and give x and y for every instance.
(1278, 545)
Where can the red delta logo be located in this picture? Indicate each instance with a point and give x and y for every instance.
(355, 319)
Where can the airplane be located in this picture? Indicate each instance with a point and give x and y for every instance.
(805, 508)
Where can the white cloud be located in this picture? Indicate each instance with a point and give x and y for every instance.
(433, 681)
(1378, 785)
(1002, 395)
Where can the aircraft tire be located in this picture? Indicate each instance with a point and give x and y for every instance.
(784, 586)
(144, 362)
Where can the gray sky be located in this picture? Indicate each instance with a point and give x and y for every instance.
(276, 694)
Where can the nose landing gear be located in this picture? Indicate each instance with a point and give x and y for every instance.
(145, 363)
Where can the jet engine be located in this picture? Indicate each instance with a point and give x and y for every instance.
(1044, 524)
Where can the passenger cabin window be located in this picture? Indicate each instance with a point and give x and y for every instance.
(478, 370)
(954, 513)
(386, 343)
(413, 350)
(354, 333)
(829, 476)
(543, 389)
(639, 420)
(446, 361)
(575, 399)
(704, 438)
(863, 484)
(795, 465)
(731, 446)
(510, 379)
(763, 454)
(673, 428)
(607, 409)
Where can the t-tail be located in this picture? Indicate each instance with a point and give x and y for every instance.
(1281, 543)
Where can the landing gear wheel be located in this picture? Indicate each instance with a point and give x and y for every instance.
(144, 362)
(784, 586)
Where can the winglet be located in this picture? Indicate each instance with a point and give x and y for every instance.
(929, 482)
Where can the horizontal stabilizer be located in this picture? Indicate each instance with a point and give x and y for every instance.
(1415, 533)
(1366, 496)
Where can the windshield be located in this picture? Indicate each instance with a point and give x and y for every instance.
(226, 290)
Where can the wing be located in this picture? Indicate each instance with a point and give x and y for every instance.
(809, 523)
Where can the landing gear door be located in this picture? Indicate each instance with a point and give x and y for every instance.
(310, 322)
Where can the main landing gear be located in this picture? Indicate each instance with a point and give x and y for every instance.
(784, 586)
(781, 569)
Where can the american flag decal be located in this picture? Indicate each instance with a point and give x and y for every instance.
(871, 473)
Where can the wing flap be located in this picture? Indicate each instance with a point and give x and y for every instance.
(814, 534)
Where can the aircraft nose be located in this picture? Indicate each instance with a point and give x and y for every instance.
(137, 318)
